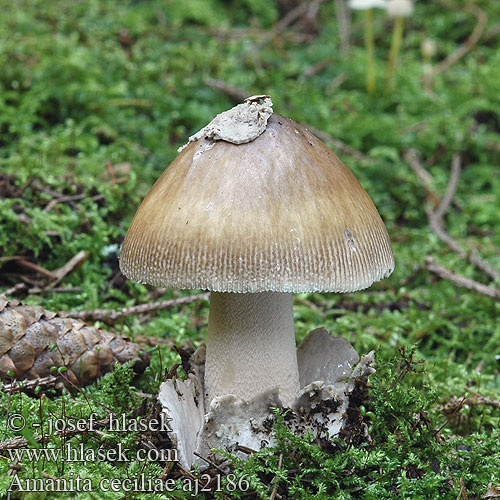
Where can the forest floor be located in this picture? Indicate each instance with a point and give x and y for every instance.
(95, 99)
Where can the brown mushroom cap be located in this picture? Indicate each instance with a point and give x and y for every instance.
(281, 213)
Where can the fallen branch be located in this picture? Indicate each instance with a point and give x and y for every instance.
(444, 273)
(110, 315)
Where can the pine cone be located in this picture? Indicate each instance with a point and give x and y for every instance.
(33, 340)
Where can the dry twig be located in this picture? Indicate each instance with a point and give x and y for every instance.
(467, 46)
(431, 265)
(337, 143)
(235, 93)
(274, 493)
(436, 224)
(110, 315)
(436, 218)
(315, 69)
(36, 267)
(69, 267)
(343, 14)
(423, 176)
(29, 385)
(16, 288)
(64, 199)
(451, 405)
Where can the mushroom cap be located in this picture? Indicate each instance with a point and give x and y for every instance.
(281, 213)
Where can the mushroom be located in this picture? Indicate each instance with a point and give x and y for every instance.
(367, 6)
(254, 222)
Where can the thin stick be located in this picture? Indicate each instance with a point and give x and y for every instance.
(315, 69)
(75, 197)
(209, 462)
(467, 46)
(443, 272)
(423, 176)
(70, 266)
(436, 216)
(451, 188)
(245, 449)
(337, 143)
(343, 15)
(450, 418)
(451, 405)
(276, 479)
(16, 288)
(436, 224)
(11, 257)
(235, 93)
(37, 268)
(27, 385)
(111, 315)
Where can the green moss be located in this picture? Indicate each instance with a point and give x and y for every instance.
(85, 86)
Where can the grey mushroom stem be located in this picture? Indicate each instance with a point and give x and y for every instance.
(251, 346)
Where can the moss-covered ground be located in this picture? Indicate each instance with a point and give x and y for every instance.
(95, 98)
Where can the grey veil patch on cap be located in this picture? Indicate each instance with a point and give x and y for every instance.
(238, 125)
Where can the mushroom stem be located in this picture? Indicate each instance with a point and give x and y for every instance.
(251, 346)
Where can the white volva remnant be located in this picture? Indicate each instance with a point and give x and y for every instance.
(330, 371)
(238, 125)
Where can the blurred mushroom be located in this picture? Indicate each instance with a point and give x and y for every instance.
(397, 9)
(266, 212)
(367, 6)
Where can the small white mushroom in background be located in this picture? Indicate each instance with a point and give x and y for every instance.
(286, 216)
(428, 50)
(397, 9)
(368, 6)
